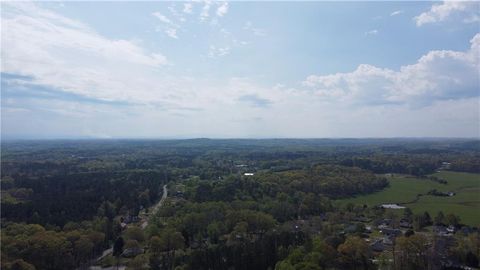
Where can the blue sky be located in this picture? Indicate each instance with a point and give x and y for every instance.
(240, 69)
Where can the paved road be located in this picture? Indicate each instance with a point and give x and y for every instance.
(105, 253)
(144, 225)
(155, 208)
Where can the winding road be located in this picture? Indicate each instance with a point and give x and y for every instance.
(143, 225)
(155, 208)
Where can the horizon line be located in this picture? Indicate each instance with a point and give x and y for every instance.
(179, 138)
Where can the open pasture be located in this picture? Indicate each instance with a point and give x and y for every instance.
(406, 190)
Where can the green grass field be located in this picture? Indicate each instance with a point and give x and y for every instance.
(404, 190)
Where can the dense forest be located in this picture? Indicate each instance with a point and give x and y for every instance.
(231, 204)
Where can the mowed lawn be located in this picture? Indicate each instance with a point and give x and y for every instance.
(404, 190)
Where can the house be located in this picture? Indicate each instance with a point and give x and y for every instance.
(404, 223)
(362, 218)
(129, 219)
(384, 223)
(451, 229)
(179, 194)
(388, 240)
(441, 230)
(391, 232)
(248, 174)
(132, 252)
(378, 246)
(445, 165)
(435, 192)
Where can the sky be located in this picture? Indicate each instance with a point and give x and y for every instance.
(239, 69)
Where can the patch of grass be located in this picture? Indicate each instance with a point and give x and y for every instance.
(404, 190)
(466, 202)
(376, 234)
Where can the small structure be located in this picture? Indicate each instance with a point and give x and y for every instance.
(441, 230)
(129, 219)
(404, 223)
(435, 192)
(392, 206)
(132, 252)
(249, 174)
(179, 194)
(388, 240)
(451, 229)
(362, 218)
(384, 223)
(391, 232)
(241, 165)
(378, 246)
(445, 166)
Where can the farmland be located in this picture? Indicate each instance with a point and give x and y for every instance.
(404, 190)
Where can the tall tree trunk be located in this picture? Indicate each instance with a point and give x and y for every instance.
(173, 259)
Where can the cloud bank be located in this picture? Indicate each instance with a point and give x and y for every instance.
(65, 78)
(468, 10)
(438, 75)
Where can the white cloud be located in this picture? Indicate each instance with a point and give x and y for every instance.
(241, 108)
(178, 16)
(43, 32)
(469, 11)
(438, 75)
(396, 12)
(170, 28)
(222, 10)
(205, 10)
(188, 8)
(162, 17)
(214, 52)
(173, 11)
(248, 26)
(171, 32)
(371, 32)
(67, 56)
